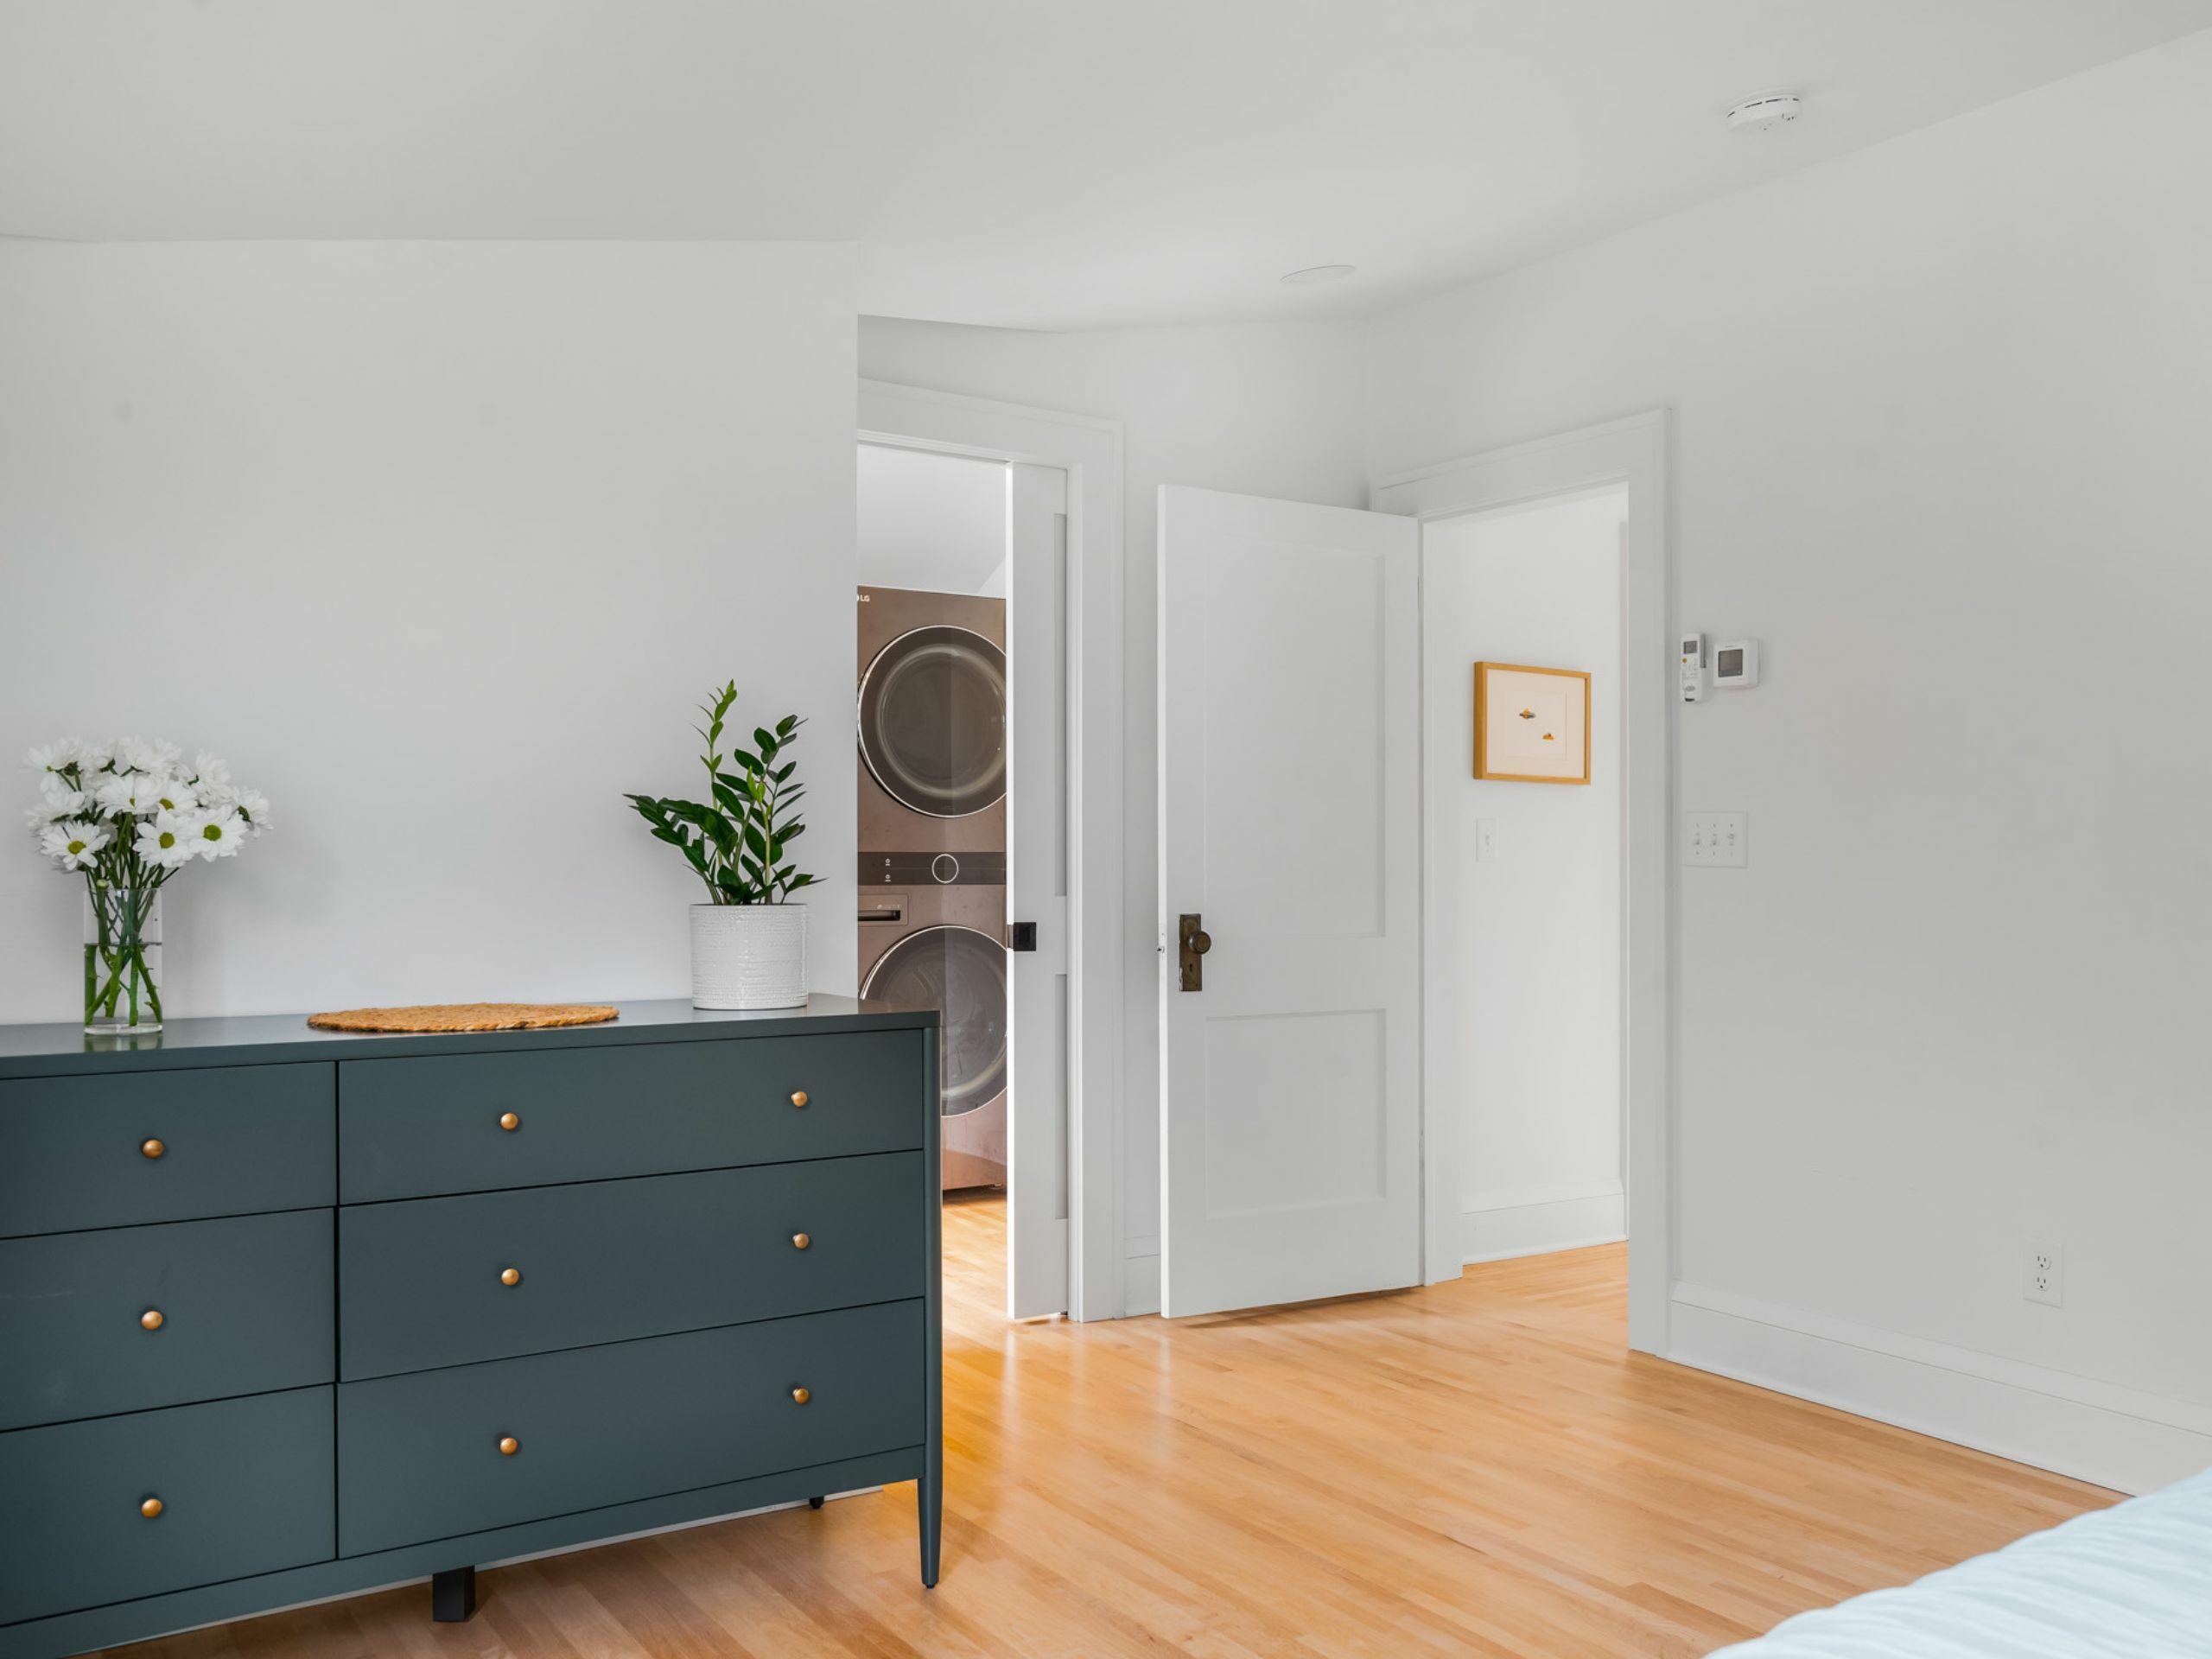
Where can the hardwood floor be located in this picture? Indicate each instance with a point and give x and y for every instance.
(1475, 1468)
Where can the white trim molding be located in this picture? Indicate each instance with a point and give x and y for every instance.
(1498, 1226)
(1089, 450)
(2098, 1432)
(1635, 451)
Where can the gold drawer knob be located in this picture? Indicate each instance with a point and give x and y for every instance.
(509, 1446)
(150, 1147)
(801, 1395)
(151, 1508)
(151, 1320)
(511, 1275)
(800, 1098)
(509, 1121)
(801, 1241)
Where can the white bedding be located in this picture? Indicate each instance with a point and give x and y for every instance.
(2131, 1582)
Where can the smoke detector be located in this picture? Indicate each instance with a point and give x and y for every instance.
(1765, 113)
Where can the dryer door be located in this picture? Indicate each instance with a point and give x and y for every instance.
(962, 973)
(932, 720)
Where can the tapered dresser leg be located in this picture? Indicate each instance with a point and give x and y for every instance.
(453, 1595)
(813, 1502)
(928, 1502)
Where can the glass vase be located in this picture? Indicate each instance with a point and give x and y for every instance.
(123, 960)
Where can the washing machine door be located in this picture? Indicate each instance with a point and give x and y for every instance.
(962, 974)
(932, 720)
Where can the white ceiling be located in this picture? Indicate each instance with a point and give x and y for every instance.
(1035, 163)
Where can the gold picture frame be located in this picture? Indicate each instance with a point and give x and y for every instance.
(1519, 710)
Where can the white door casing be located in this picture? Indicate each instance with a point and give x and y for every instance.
(1290, 801)
(1089, 451)
(1634, 451)
(1036, 890)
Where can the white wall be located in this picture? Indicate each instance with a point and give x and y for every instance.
(439, 545)
(1525, 1019)
(931, 521)
(1941, 428)
(1269, 410)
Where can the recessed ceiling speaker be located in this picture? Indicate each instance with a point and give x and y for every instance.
(1765, 113)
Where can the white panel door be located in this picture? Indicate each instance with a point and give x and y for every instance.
(1289, 823)
(1037, 891)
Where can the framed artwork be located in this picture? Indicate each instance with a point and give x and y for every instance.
(1532, 725)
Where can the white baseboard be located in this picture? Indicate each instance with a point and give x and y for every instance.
(1535, 1224)
(1141, 1278)
(2098, 1432)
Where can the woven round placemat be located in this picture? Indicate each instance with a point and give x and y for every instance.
(465, 1016)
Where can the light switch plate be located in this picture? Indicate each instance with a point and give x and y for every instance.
(1720, 839)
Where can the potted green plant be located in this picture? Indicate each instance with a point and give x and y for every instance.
(749, 940)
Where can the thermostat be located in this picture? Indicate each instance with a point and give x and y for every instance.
(1692, 668)
(1736, 663)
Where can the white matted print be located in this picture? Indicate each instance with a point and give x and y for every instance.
(1532, 725)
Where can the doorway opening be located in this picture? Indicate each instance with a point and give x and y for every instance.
(960, 712)
(1065, 943)
(1524, 887)
(1629, 456)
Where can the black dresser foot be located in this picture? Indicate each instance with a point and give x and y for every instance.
(813, 1502)
(453, 1595)
(928, 1502)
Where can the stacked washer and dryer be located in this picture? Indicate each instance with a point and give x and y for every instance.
(932, 845)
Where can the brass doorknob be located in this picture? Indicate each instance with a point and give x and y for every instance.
(509, 1121)
(798, 1098)
(151, 1508)
(151, 1148)
(511, 1275)
(801, 1241)
(151, 1320)
(800, 1397)
(509, 1446)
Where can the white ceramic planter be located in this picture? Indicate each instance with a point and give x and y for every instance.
(748, 956)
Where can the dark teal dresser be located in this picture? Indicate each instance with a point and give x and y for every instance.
(286, 1314)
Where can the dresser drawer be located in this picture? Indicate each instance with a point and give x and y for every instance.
(231, 1139)
(244, 1486)
(600, 1261)
(420, 1455)
(413, 1127)
(240, 1306)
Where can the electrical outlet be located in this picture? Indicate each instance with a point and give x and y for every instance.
(1722, 839)
(2046, 1280)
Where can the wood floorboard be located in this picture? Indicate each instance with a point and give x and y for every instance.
(1475, 1468)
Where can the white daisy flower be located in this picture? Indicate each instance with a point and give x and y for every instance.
(57, 800)
(167, 841)
(52, 757)
(254, 805)
(75, 844)
(219, 835)
(139, 793)
(96, 757)
(135, 755)
(211, 770)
